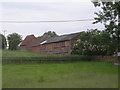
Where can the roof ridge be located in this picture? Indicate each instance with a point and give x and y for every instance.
(67, 34)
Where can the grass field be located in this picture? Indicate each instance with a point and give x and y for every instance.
(60, 75)
(19, 56)
(8, 53)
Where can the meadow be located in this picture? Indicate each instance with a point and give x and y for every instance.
(28, 57)
(60, 75)
(8, 53)
(82, 74)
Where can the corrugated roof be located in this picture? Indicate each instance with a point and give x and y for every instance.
(43, 38)
(61, 38)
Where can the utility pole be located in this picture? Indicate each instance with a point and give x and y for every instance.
(4, 31)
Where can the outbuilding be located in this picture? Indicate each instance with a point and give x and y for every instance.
(57, 45)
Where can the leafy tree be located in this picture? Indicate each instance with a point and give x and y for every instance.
(106, 42)
(88, 44)
(3, 42)
(94, 42)
(110, 16)
(51, 33)
(14, 39)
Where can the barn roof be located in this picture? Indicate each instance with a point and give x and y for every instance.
(27, 39)
(41, 39)
(61, 38)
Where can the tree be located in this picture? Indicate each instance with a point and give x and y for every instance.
(87, 44)
(94, 42)
(51, 33)
(14, 39)
(110, 17)
(3, 42)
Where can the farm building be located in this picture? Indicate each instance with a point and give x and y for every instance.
(57, 45)
(47, 44)
(28, 42)
(31, 40)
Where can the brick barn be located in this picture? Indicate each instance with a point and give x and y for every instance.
(57, 45)
(28, 42)
(31, 40)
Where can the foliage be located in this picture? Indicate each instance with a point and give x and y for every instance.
(3, 42)
(51, 33)
(110, 16)
(106, 42)
(14, 39)
(94, 42)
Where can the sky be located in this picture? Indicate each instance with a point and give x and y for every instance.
(47, 11)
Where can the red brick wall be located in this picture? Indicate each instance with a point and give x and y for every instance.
(30, 41)
(22, 48)
(36, 49)
(55, 48)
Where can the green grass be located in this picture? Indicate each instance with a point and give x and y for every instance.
(8, 53)
(60, 75)
(31, 56)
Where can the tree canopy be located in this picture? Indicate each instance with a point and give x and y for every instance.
(105, 42)
(14, 39)
(51, 33)
(110, 17)
(94, 42)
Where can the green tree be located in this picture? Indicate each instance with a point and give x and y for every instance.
(3, 42)
(87, 44)
(52, 33)
(14, 39)
(94, 42)
(110, 16)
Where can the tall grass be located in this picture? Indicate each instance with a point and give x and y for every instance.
(8, 53)
(30, 56)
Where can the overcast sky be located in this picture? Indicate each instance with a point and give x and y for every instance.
(47, 11)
